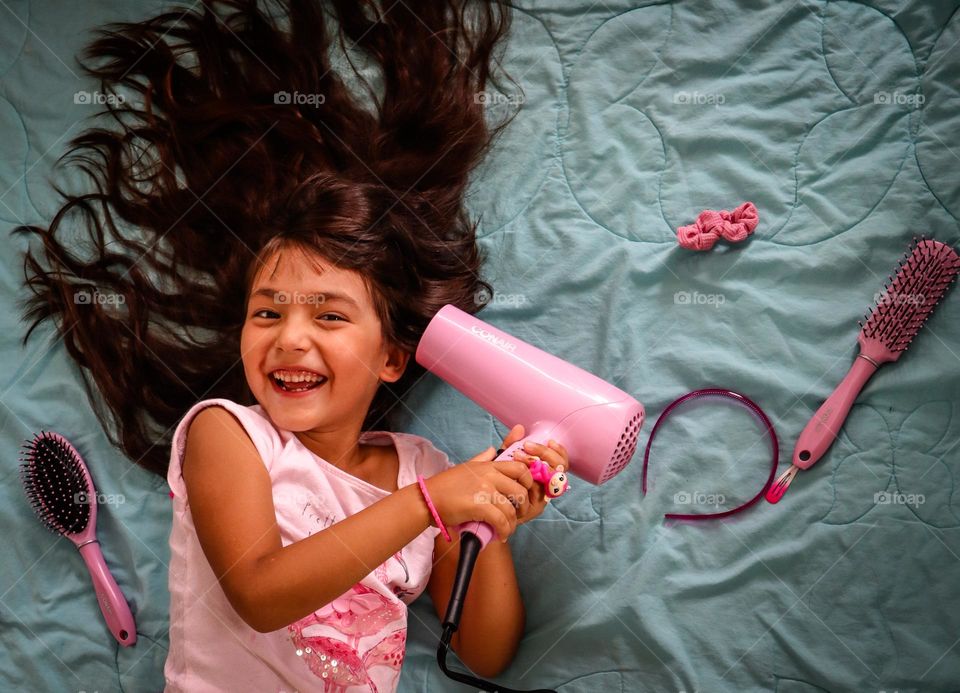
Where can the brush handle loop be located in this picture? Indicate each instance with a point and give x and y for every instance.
(115, 610)
(823, 428)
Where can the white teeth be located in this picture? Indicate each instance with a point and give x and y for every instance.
(296, 377)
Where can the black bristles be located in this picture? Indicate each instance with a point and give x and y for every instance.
(55, 484)
(925, 272)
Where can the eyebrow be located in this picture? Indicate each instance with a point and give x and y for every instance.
(327, 295)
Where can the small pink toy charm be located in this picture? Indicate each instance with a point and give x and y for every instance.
(555, 483)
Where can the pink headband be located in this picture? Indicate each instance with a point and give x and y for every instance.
(737, 397)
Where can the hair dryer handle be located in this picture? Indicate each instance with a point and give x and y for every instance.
(483, 531)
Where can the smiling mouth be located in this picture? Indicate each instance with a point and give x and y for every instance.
(297, 386)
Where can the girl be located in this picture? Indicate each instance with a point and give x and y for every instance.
(247, 180)
(297, 540)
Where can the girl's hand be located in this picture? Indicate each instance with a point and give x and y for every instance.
(481, 489)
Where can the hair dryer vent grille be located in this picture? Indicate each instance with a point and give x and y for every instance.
(625, 448)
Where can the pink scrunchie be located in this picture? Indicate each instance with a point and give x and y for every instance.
(710, 225)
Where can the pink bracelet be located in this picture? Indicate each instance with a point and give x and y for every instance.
(433, 510)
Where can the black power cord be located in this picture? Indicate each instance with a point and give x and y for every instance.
(469, 550)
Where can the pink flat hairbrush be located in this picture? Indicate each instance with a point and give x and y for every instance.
(921, 280)
(61, 491)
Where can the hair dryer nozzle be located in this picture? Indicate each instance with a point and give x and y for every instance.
(517, 383)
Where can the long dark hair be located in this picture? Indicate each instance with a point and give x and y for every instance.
(236, 138)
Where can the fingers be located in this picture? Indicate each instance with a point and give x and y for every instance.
(517, 470)
(559, 448)
(485, 456)
(515, 434)
(554, 455)
(500, 514)
(505, 501)
(531, 494)
(514, 493)
(511, 504)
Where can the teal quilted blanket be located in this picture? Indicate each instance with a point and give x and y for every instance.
(839, 121)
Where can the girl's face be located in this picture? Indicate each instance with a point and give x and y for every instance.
(320, 323)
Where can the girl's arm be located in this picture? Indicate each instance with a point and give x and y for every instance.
(268, 584)
(493, 618)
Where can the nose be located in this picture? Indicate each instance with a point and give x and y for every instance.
(294, 334)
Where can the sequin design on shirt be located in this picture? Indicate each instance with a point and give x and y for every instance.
(360, 613)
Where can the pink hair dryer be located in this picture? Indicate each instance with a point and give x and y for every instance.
(518, 383)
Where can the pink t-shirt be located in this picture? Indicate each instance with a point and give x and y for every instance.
(355, 643)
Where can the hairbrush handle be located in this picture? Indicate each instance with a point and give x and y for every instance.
(113, 605)
(823, 428)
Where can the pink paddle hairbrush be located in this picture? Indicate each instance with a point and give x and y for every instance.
(61, 491)
(923, 276)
